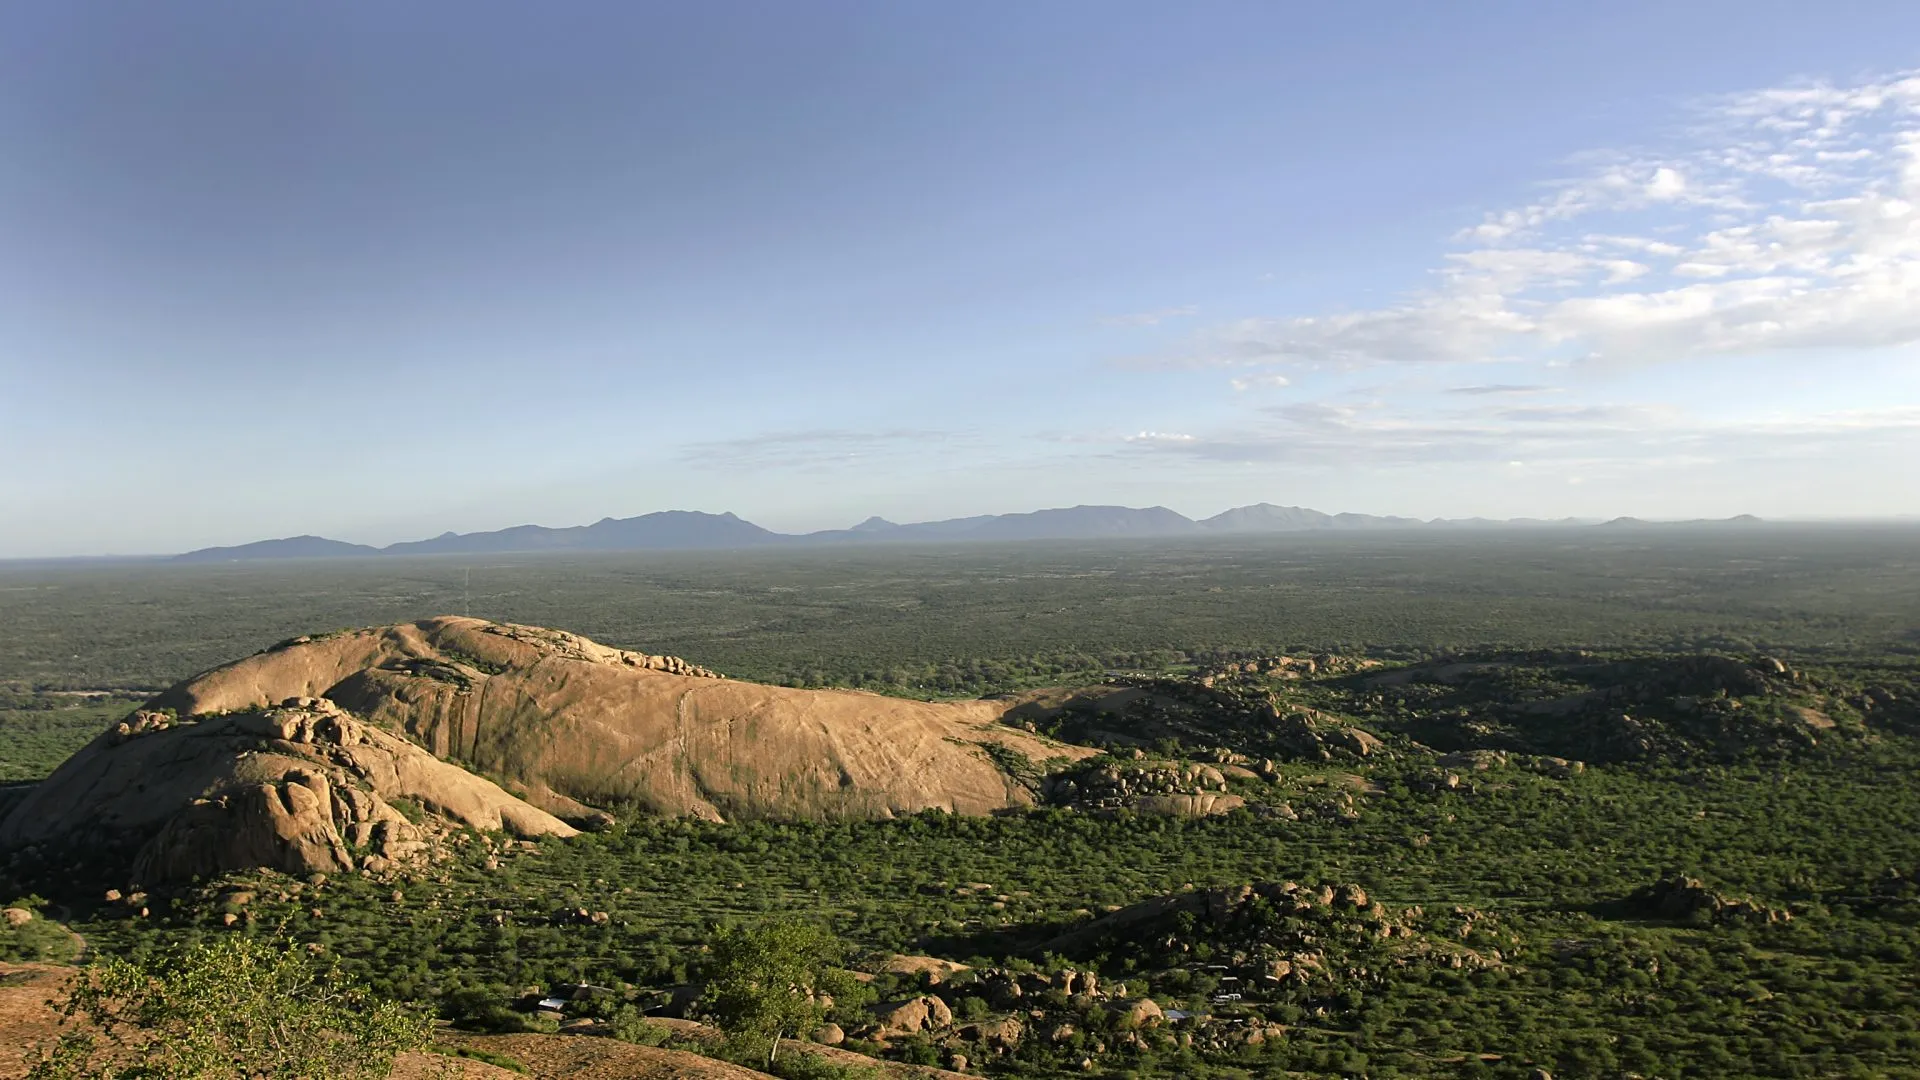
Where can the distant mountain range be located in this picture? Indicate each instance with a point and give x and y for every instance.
(693, 530)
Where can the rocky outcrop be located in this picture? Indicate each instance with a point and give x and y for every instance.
(1203, 804)
(1689, 899)
(1283, 932)
(1173, 788)
(932, 968)
(1318, 736)
(913, 1016)
(569, 723)
(302, 787)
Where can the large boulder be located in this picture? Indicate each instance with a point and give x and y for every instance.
(302, 787)
(913, 1016)
(1145, 1012)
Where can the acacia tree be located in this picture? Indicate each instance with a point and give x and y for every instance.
(237, 1009)
(773, 979)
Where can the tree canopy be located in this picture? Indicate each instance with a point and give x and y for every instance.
(773, 979)
(236, 1009)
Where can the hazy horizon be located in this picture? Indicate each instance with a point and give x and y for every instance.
(378, 274)
(1522, 523)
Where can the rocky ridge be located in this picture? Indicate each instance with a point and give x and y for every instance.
(570, 724)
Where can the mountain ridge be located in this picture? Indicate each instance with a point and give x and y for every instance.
(696, 530)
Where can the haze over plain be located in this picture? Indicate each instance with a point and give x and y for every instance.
(376, 274)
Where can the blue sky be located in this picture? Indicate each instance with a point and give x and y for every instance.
(376, 271)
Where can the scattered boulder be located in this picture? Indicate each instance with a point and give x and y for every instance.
(1144, 1013)
(1003, 1034)
(913, 1016)
(1172, 788)
(1318, 736)
(16, 917)
(1192, 806)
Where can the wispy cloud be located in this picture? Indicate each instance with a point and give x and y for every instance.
(1268, 381)
(1340, 434)
(1785, 219)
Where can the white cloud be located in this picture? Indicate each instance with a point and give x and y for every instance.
(1340, 435)
(1667, 183)
(1786, 219)
(1269, 381)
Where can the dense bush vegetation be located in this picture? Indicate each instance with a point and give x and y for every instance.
(1585, 988)
(930, 620)
(1543, 645)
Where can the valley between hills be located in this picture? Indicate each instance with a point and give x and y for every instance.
(1391, 807)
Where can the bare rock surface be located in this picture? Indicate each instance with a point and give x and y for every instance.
(934, 968)
(301, 787)
(566, 721)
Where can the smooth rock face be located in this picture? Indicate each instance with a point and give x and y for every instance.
(568, 721)
(303, 788)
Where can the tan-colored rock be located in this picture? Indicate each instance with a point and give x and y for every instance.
(935, 969)
(829, 1035)
(572, 722)
(1002, 1034)
(16, 917)
(1356, 741)
(915, 1015)
(1204, 804)
(291, 788)
(1145, 1012)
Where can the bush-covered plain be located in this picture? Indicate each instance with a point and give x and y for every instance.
(1823, 833)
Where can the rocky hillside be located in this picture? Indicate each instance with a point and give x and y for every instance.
(569, 724)
(301, 787)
